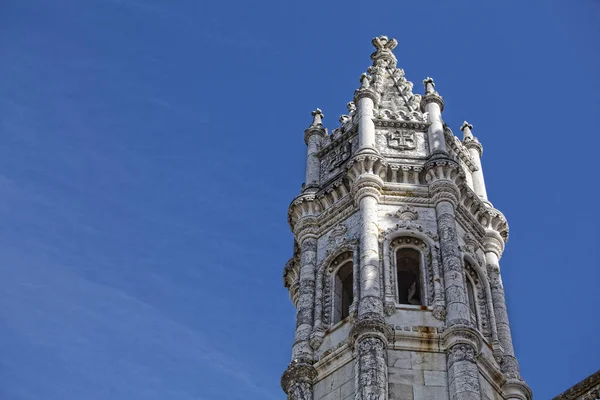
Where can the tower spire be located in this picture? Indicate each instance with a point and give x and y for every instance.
(396, 267)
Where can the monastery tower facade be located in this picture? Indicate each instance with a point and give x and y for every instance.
(395, 273)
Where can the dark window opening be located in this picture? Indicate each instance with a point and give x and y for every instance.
(408, 276)
(344, 291)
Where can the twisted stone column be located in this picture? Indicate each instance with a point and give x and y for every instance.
(475, 150)
(313, 136)
(298, 378)
(301, 349)
(462, 348)
(370, 333)
(494, 245)
(370, 338)
(433, 104)
(460, 339)
(370, 283)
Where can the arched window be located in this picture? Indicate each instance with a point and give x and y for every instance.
(472, 304)
(344, 292)
(408, 266)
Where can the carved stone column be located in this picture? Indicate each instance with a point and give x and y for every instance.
(370, 338)
(301, 349)
(475, 150)
(441, 175)
(312, 137)
(365, 98)
(433, 104)
(462, 348)
(297, 380)
(494, 245)
(460, 339)
(370, 333)
(367, 196)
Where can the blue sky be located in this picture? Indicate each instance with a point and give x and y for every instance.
(149, 150)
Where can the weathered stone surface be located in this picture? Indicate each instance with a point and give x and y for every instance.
(394, 194)
(428, 361)
(435, 378)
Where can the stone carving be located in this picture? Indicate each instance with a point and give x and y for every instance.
(401, 140)
(401, 115)
(338, 156)
(297, 380)
(351, 108)
(407, 213)
(461, 352)
(336, 237)
(371, 369)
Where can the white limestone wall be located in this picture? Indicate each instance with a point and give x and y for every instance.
(335, 338)
(417, 375)
(413, 317)
(487, 390)
(329, 242)
(338, 385)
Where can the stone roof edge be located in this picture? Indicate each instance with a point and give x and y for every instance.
(580, 388)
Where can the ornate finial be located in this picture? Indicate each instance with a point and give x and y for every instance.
(383, 43)
(466, 128)
(384, 47)
(351, 107)
(365, 81)
(317, 118)
(429, 85)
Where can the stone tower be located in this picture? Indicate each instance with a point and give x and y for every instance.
(395, 274)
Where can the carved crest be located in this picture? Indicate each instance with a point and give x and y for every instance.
(339, 155)
(401, 140)
(407, 213)
(336, 237)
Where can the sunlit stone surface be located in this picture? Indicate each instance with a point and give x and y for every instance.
(393, 193)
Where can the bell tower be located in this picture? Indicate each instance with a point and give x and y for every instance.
(395, 274)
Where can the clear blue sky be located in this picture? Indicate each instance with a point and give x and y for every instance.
(149, 150)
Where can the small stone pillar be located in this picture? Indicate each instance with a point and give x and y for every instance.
(365, 98)
(475, 150)
(313, 136)
(433, 104)
(494, 246)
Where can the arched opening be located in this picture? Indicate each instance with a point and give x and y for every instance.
(408, 267)
(344, 292)
(472, 304)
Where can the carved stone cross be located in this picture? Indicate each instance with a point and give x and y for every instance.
(403, 140)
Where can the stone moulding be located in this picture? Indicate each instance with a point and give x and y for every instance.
(459, 149)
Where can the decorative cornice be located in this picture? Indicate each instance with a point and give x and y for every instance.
(371, 326)
(388, 123)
